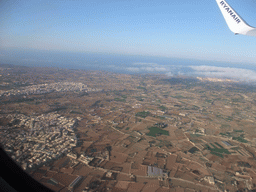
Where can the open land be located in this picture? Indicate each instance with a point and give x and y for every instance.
(101, 131)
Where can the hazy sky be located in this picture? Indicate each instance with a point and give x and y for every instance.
(170, 28)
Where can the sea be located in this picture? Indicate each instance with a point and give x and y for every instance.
(128, 64)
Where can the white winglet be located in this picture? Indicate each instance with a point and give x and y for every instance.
(235, 23)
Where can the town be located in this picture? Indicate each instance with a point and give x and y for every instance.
(100, 131)
(42, 138)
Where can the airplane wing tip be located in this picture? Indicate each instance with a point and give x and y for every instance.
(235, 23)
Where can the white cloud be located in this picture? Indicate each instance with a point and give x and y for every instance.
(148, 67)
(148, 64)
(169, 74)
(154, 69)
(225, 72)
(133, 69)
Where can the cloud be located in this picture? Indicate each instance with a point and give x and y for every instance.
(147, 64)
(225, 72)
(133, 69)
(154, 69)
(243, 75)
(169, 74)
(147, 68)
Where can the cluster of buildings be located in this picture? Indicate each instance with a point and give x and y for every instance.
(36, 140)
(48, 88)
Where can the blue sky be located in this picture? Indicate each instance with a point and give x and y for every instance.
(169, 28)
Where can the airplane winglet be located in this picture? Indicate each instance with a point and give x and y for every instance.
(235, 23)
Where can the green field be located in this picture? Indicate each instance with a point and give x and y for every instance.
(142, 114)
(75, 112)
(238, 131)
(217, 151)
(240, 139)
(154, 131)
(162, 108)
(219, 145)
(236, 135)
(119, 99)
(195, 135)
(217, 154)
